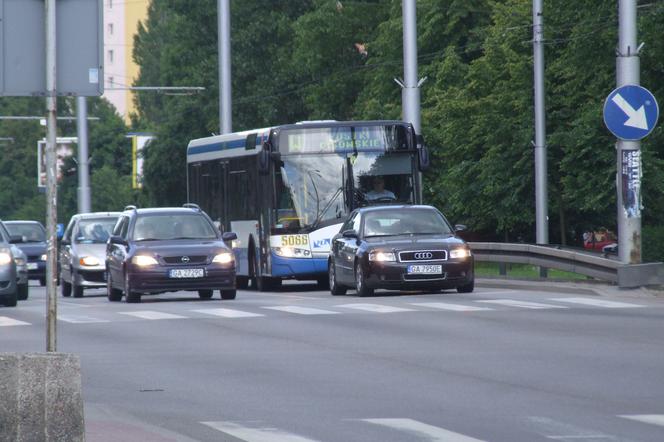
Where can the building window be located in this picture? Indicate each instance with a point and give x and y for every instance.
(110, 29)
(110, 55)
(110, 4)
(111, 81)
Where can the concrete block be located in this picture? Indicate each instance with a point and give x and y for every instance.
(40, 397)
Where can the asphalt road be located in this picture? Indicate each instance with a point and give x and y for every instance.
(300, 365)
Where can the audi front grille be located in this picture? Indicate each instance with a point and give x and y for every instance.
(423, 255)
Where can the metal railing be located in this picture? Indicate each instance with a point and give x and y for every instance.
(584, 263)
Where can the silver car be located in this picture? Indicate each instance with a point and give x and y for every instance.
(8, 286)
(83, 252)
(21, 261)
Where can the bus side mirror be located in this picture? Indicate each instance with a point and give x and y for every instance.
(423, 159)
(264, 161)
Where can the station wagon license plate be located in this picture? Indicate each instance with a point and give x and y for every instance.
(186, 273)
(32, 266)
(425, 269)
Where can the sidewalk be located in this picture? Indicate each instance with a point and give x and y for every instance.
(589, 287)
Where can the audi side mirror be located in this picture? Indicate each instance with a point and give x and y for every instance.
(349, 234)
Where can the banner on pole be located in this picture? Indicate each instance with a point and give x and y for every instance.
(64, 149)
(631, 182)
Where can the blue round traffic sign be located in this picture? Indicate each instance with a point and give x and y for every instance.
(631, 112)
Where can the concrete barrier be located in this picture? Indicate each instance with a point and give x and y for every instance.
(40, 397)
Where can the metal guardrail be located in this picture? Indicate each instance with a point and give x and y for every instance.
(624, 275)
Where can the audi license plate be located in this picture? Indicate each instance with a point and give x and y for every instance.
(425, 269)
(186, 273)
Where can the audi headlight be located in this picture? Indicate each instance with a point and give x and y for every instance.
(382, 256)
(5, 257)
(88, 261)
(43, 257)
(459, 253)
(223, 258)
(291, 252)
(144, 260)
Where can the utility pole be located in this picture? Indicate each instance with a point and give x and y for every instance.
(410, 88)
(628, 72)
(541, 192)
(83, 157)
(224, 37)
(51, 184)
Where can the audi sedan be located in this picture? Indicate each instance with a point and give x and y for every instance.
(399, 248)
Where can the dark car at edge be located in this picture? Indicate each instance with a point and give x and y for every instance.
(161, 250)
(399, 248)
(31, 239)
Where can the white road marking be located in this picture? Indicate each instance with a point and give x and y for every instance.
(552, 429)
(430, 432)
(654, 419)
(376, 308)
(452, 307)
(7, 322)
(149, 314)
(521, 304)
(597, 302)
(303, 310)
(263, 434)
(79, 319)
(227, 313)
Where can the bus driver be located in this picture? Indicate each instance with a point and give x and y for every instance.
(379, 191)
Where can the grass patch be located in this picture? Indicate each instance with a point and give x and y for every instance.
(526, 271)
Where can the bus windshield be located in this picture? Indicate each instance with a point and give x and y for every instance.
(383, 178)
(309, 192)
(310, 189)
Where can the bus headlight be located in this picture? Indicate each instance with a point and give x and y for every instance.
(291, 252)
(144, 260)
(5, 257)
(459, 253)
(382, 256)
(223, 258)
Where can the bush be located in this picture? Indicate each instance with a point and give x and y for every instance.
(653, 243)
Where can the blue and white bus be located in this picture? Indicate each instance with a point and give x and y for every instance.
(286, 190)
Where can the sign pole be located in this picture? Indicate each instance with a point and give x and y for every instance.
(51, 184)
(410, 91)
(628, 176)
(83, 156)
(224, 43)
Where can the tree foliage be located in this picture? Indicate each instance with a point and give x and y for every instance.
(109, 149)
(310, 59)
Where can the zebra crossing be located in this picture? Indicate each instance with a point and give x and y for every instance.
(73, 315)
(407, 429)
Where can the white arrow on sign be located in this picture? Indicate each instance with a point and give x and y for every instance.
(637, 118)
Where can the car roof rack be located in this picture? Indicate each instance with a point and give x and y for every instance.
(130, 207)
(191, 206)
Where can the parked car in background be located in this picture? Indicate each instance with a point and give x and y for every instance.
(33, 243)
(166, 250)
(21, 261)
(399, 248)
(83, 252)
(8, 274)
